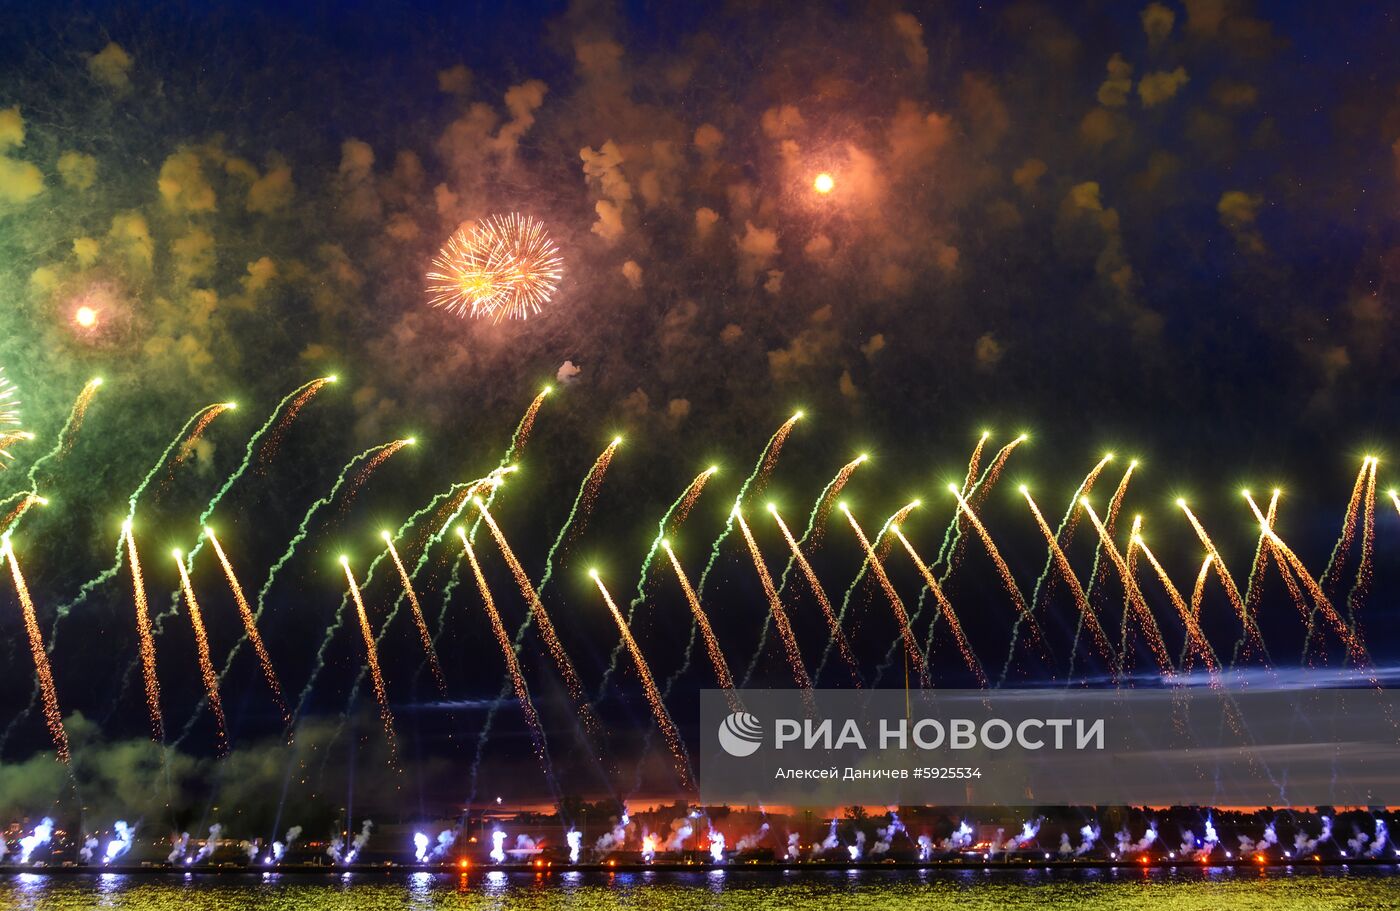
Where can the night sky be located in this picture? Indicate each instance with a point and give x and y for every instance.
(1164, 230)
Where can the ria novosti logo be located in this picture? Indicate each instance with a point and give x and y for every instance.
(741, 734)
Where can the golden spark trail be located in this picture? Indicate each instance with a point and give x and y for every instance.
(774, 444)
(358, 481)
(67, 435)
(250, 627)
(658, 708)
(381, 695)
(517, 676)
(1355, 649)
(882, 549)
(52, 716)
(527, 423)
(1232, 591)
(1193, 628)
(670, 521)
(1064, 532)
(951, 551)
(1008, 581)
(780, 618)
(975, 462)
(1253, 593)
(816, 526)
(722, 675)
(1086, 611)
(206, 664)
(146, 641)
(1394, 498)
(1115, 506)
(1133, 593)
(546, 626)
(12, 518)
(775, 447)
(681, 509)
(813, 583)
(1361, 587)
(1198, 591)
(578, 512)
(1337, 561)
(969, 657)
(901, 616)
(301, 397)
(197, 432)
(418, 619)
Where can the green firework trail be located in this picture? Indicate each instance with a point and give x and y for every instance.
(832, 488)
(1064, 532)
(250, 452)
(599, 467)
(855, 584)
(777, 439)
(640, 596)
(110, 572)
(1110, 520)
(62, 444)
(494, 479)
(303, 530)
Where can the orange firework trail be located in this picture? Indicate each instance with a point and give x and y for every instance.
(361, 476)
(1008, 581)
(274, 437)
(418, 619)
(206, 664)
(381, 695)
(1064, 533)
(1086, 611)
(1198, 591)
(69, 434)
(1134, 594)
(517, 677)
(901, 616)
(1251, 627)
(1394, 498)
(250, 626)
(775, 447)
(975, 462)
(689, 498)
(947, 608)
(780, 617)
(588, 494)
(546, 626)
(1362, 585)
(658, 708)
(722, 675)
(951, 551)
(52, 716)
(1337, 561)
(196, 432)
(1115, 506)
(1193, 628)
(832, 623)
(527, 423)
(146, 640)
(1355, 649)
(14, 515)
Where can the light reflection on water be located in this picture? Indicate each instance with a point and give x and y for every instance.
(827, 890)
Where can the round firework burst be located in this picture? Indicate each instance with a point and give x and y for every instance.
(503, 267)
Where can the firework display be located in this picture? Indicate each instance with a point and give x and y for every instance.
(503, 267)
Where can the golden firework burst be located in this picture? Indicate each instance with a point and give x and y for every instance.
(502, 267)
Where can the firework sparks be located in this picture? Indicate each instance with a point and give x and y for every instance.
(1355, 649)
(146, 641)
(417, 610)
(273, 440)
(1232, 591)
(517, 676)
(833, 625)
(722, 675)
(945, 607)
(28, 500)
(1057, 552)
(1064, 532)
(9, 402)
(381, 695)
(546, 626)
(901, 616)
(1133, 592)
(663, 717)
(780, 617)
(503, 267)
(52, 716)
(1361, 586)
(191, 441)
(951, 551)
(1008, 581)
(201, 642)
(1188, 617)
(670, 520)
(250, 626)
(775, 448)
(579, 510)
(882, 546)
